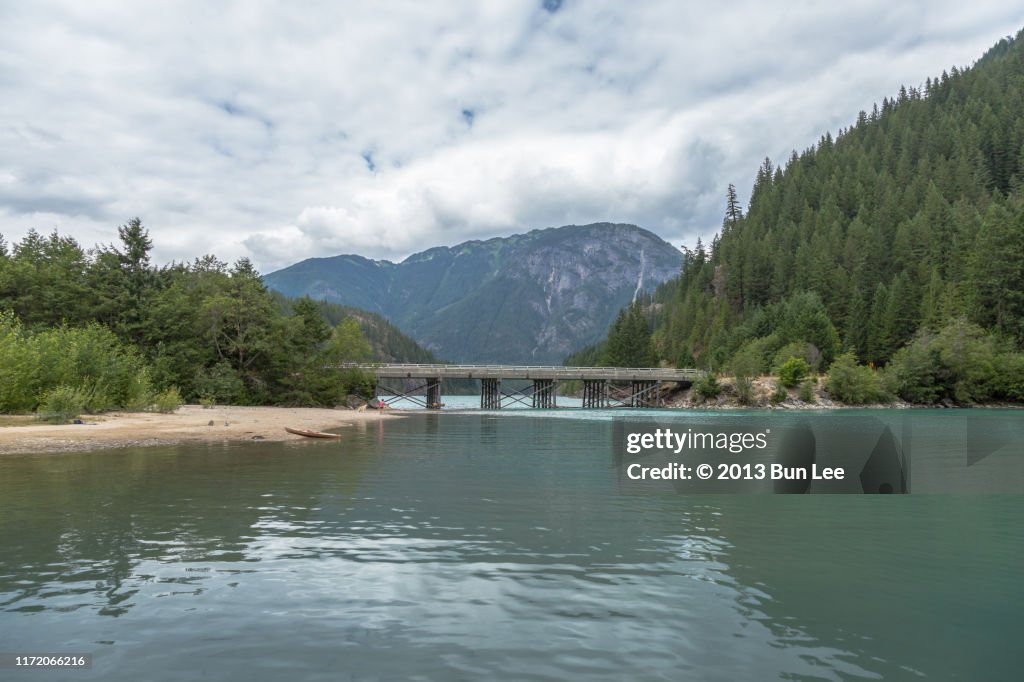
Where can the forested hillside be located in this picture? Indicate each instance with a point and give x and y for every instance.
(387, 342)
(106, 328)
(900, 240)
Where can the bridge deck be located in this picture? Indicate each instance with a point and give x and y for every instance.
(407, 371)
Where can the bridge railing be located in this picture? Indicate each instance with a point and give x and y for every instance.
(489, 371)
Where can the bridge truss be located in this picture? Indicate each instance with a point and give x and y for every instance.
(603, 387)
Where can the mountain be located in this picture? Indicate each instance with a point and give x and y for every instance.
(387, 342)
(902, 233)
(529, 298)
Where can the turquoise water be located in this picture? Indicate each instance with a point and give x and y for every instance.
(486, 546)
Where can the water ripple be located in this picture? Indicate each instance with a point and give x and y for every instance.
(419, 555)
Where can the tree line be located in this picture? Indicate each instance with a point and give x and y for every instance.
(109, 329)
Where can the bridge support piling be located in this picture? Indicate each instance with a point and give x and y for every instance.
(595, 393)
(644, 394)
(434, 393)
(490, 394)
(544, 393)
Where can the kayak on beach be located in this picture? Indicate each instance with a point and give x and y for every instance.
(311, 434)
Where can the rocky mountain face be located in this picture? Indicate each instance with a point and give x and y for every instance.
(529, 298)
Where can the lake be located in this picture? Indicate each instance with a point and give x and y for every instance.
(475, 545)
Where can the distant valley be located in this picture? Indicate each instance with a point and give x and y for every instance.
(529, 298)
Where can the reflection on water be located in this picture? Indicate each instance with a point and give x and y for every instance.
(489, 546)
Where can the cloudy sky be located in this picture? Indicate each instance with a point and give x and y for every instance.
(282, 130)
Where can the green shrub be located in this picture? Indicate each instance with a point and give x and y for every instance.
(799, 349)
(103, 371)
(1009, 384)
(140, 392)
(961, 362)
(751, 360)
(806, 393)
(792, 371)
(168, 401)
(221, 385)
(17, 364)
(62, 404)
(744, 390)
(707, 386)
(297, 398)
(911, 374)
(779, 395)
(854, 384)
(99, 398)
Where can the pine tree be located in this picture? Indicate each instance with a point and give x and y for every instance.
(310, 330)
(123, 280)
(733, 211)
(997, 271)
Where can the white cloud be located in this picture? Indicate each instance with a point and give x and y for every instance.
(285, 131)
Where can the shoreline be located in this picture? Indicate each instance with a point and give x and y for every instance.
(23, 434)
(763, 387)
(188, 424)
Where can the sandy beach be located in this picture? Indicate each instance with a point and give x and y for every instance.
(191, 423)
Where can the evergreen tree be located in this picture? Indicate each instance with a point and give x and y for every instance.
(123, 280)
(311, 329)
(733, 212)
(997, 270)
(45, 281)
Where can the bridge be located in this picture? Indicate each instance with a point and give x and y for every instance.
(602, 386)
